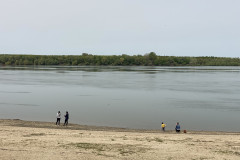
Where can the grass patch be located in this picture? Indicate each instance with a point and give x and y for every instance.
(229, 152)
(154, 139)
(139, 139)
(34, 134)
(125, 151)
(98, 148)
(90, 146)
(158, 140)
(191, 144)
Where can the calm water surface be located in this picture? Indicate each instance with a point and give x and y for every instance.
(200, 98)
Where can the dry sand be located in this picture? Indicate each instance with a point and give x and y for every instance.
(23, 140)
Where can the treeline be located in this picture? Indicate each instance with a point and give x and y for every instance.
(150, 59)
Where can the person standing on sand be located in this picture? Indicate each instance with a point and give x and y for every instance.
(58, 118)
(177, 128)
(163, 126)
(66, 118)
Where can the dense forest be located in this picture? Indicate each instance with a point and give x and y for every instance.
(150, 59)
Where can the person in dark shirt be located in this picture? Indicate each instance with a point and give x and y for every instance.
(66, 118)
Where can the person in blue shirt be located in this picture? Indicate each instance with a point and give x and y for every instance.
(177, 127)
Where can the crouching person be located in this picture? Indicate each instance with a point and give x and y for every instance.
(177, 127)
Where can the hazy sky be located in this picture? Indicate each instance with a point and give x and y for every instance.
(113, 27)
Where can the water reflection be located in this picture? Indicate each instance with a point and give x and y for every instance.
(125, 68)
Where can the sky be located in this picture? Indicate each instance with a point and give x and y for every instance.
(116, 27)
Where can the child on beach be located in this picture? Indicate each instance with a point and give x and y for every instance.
(163, 126)
(177, 127)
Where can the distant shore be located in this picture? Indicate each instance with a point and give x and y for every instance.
(44, 140)
(149, 59)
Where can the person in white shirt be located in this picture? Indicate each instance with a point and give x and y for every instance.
(58, 118)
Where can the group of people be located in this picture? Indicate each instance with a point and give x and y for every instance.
(177, 128)
(59, 118)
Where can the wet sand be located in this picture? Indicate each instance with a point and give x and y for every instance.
(21, 140)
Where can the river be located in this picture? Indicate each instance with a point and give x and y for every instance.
(199, 98)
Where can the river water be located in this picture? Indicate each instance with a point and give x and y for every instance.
(200, 98)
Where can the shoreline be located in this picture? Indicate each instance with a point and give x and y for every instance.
(20, 140)
(72, 126)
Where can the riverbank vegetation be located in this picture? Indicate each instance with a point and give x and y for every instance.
(150, 59)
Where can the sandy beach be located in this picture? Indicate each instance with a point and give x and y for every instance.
(22, 140)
